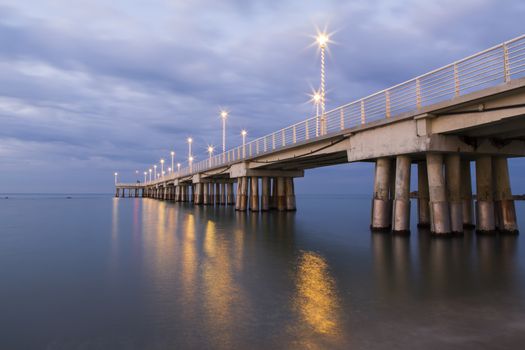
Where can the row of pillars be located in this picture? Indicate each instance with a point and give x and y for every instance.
(275, 193)
(132, 192)
(445, 201)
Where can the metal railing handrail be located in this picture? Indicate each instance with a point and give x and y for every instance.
(469, 74)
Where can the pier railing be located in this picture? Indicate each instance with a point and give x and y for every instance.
(496, 65)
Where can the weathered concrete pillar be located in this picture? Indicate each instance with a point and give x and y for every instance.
(242, 194)
(439, 209)
(222, 199)
(205, 193)
(265, 195)
(211, 193)
(230, 199)
(273, 195)
(401, 205)
(117, 192)
(466, 195)
(381, 204)
(423, 198)
(281, 194)
(238, 194)
(503, 202)
(165, 193)
(218, 193)
(200, 193)
(254, 193)
(453, 181)
(485, 199)
(290, 194)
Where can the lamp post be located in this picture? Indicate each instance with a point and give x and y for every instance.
(172, 159)
(210, 152)
(316, 98)
(190, 159)
(178, 167)
(224, 115)
(169, 171)
(155, 171)
(145, 176)
(190, 141)
(322, 40)
(244, 133)
(162, 167)
(116, 176)
(149, 174)
(137, 175)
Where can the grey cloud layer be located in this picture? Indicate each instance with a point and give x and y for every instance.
(111, 87)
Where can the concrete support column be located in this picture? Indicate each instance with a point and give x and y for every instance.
(211, 193)
(242, 194)
(223, 194)
(503, 202)
(466, 195)
(273, 195)
(453, 181)
(230, 199)
(238, 195)
(423, 198)
(199, 190)
(218, 194)
(290, 194)
(381, 204)
(439, 209)
(265, 195)
(485, 220)
(254, 193)
(281, 194)
(401, 206)
(205, 193)
(117, 192)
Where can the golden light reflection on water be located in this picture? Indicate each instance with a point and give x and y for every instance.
(222, 295)
(317, 301)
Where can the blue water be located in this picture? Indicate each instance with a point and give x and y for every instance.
(95, 272)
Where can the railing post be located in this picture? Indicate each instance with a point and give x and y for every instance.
(257, 147)
(283, 135)
(456, 80)
(363, 111)
(294, 137)
(265, 144)
(418, 94)
(306, 131)
(506, 72)
(342, 113)
(250, 149)
(387, 103)
(273, 141)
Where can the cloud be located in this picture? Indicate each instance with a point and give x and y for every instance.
(117, 87)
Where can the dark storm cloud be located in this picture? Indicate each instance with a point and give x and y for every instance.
(118, 87)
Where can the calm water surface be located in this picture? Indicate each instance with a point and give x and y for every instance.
(95, 272)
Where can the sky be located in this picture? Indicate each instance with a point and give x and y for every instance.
(88, 88)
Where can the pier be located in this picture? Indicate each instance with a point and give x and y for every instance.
(469, 112)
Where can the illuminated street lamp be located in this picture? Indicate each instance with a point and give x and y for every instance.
(116, 176)
(244, 133)
(162, 167)
(316, 99)
(190, 159)
(224, 116)
(137, 175)
(155, 171)
(169, 171)
(210, 153)
(145, 176)
(323, 39)
(149, 174)
(172, 159)
(178, 167)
